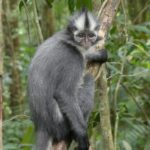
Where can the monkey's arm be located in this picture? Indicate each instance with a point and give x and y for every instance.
(100, 56)
(86, 95)
(66, 97)
(69, 106)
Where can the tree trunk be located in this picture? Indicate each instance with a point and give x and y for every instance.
(12, 50)
(107, 14)
(1, 74)
(47, 22)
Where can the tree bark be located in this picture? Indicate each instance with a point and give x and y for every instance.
(1, 74)
(12, 50)
(47, 22)
(107, 14)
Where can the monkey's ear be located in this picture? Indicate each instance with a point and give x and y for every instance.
(99, 38)
(97, 27)
(71, 27)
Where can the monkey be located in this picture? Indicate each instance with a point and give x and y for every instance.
(60, 92)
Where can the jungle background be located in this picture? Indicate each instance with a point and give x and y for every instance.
(27, 22)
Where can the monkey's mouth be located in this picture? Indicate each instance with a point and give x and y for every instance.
(86, 45)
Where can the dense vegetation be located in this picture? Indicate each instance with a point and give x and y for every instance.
(128, 45)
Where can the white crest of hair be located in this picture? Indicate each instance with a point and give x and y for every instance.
(91, 21)
(49, 145)
(79, 22)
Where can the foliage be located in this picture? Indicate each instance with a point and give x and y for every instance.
(18, 134)
(78, 4)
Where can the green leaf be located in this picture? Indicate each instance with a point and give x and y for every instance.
(84, 3)
(140, 28)
(71, 5)
(28, 138)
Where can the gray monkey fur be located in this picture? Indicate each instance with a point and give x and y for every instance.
(54, 76)
(60, 96)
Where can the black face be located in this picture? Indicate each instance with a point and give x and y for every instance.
(85, 38)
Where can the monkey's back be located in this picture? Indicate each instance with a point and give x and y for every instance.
(54, 62)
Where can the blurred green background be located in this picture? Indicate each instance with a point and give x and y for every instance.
(128, 45)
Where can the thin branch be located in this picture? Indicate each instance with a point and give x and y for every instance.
(128, 75)
(140, 48)
(116, 130)
(32, 21)
(135, 74)
(27, 14)
(37, 21)
(118, 83)
(123, 3)
(1, 74)
(115, 105)
(136, 102)
(102, 7)
(15, 117)
(120, 78)
(142, 11)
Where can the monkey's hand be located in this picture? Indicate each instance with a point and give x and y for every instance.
(99, 56)
(83, 143)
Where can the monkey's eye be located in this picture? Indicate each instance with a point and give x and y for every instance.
(81, 35)
(91, 35)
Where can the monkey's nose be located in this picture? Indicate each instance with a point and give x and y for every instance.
(86, 44)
